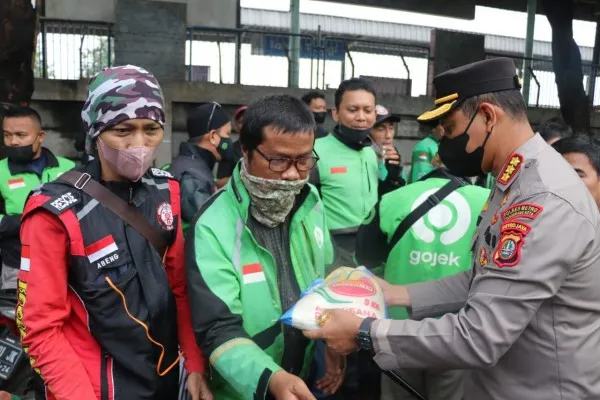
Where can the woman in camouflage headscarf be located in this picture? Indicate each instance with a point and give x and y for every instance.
(102, 312)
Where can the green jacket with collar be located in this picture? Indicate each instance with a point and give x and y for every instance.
(348, 180)
(233, 288)
(16, 182)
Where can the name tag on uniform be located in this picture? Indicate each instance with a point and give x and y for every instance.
(253, 273)
(338, 170)
(16, 183)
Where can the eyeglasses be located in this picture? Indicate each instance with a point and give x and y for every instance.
(283, 164)
(215, 104)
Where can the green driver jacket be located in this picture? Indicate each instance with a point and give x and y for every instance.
(234, 292)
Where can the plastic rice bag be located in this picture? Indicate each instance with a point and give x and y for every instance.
(351, 289)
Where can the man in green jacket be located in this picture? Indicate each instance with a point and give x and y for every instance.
(26, 167)
(424, 151)
(437, 245)
(251, 251)
(347, 174)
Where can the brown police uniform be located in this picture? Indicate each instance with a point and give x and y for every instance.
(527, 322)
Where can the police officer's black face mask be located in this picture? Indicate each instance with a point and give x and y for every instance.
(455, 157)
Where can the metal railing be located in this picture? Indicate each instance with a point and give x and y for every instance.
(72, 49)
(543, 91)
(263, 58)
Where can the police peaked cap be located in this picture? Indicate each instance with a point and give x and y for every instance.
(456, 85)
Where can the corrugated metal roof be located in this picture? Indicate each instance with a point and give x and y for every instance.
(375, 30)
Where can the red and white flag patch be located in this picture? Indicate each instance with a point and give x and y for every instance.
(25, 258)
(16, 183)
(101, 248)
(423, 157)
(338, 170)
(253, 273)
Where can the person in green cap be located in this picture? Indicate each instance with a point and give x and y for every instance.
(27, 166)
(424, 151)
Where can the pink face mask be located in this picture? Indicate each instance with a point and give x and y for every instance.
(131, 163)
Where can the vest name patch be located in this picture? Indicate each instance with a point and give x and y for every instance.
(107, 261)
(64, 201)
(16, 183)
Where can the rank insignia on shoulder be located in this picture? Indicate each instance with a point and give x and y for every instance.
(511, 169)
(508, 252)
(522, 210)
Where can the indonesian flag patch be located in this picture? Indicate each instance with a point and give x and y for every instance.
(423, 157)
(101, 249)
(16, 183)
(25, 258)
(253, 273)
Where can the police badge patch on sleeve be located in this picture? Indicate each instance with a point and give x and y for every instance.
(512, 239)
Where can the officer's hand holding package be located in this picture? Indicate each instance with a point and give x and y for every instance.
(524, 322)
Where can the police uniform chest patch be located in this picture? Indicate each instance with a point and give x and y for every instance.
(164, 215)
(483, 257)
(511, 169)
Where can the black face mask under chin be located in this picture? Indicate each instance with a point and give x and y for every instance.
(20, 154)
(353, 135)
(455, 157)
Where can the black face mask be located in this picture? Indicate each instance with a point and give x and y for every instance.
(20, 154)
(455, 157)
(225, 149)
(353, 135)
(320, 116)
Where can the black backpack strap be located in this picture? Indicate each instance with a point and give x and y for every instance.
(424, 207)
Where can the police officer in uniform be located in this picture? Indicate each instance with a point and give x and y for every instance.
(527, 315)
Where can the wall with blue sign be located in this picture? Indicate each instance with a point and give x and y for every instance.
(278, 46)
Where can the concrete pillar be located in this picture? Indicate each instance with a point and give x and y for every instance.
(294, 44)
(451, 50)
(151, 34)
(526, 73)
(165, 152)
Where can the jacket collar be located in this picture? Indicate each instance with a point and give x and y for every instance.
(190, 150)
(51, 162)
(235, 187)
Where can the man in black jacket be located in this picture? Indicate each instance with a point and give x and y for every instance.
(209, 129)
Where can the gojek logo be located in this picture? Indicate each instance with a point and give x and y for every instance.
(448, 222)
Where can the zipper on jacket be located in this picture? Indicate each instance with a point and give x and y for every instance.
(368, 177)
(130, 194)
(104, 376)
(314, 268)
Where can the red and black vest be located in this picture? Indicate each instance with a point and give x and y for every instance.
(102, 245)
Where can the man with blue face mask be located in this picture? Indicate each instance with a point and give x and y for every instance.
(209, 129)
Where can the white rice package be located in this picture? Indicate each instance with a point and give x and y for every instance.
(351, 289)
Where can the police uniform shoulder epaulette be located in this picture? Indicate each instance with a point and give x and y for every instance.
(160, 173)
